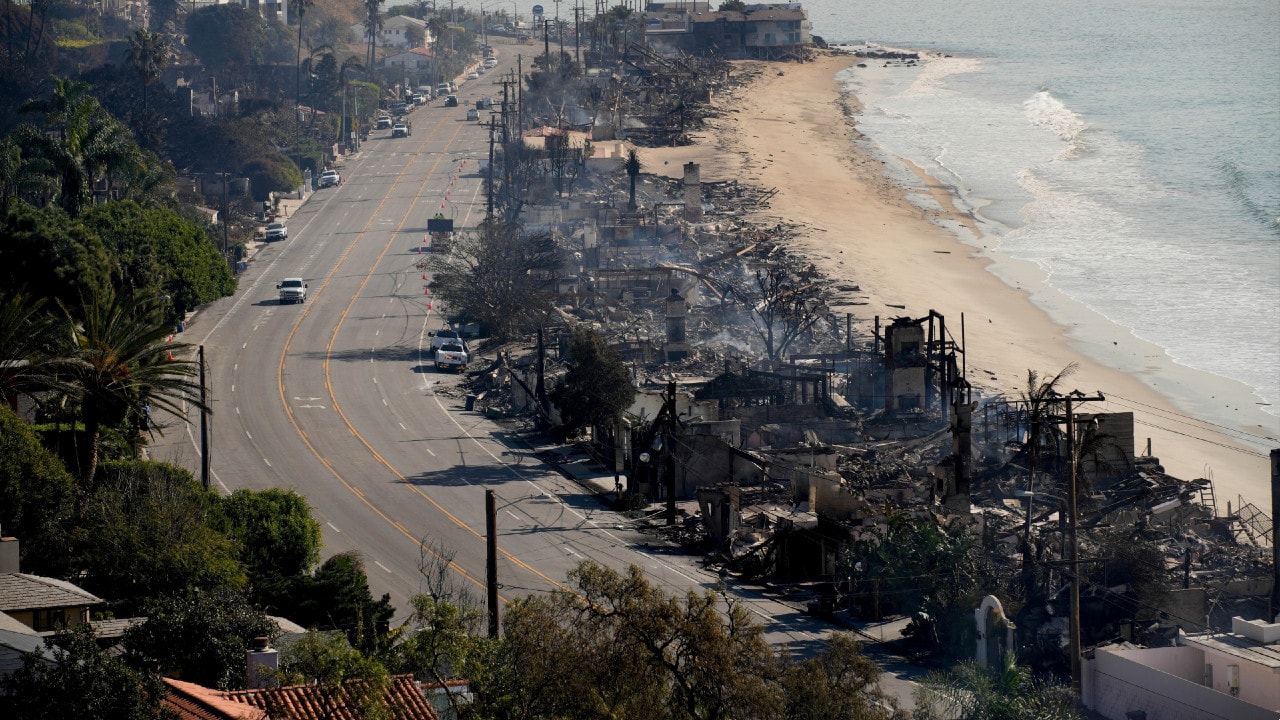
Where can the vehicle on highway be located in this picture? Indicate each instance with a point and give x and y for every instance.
(400, 109)
(402, 129)
(473, 75)
(452, 356)
(330, 178)
(442, 337)
(276, 231)
(473, 114)
(451, 101)
(384, 122)
(445, 88)
(490, 62)
(292, 290)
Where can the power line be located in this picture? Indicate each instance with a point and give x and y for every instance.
(1192, 420)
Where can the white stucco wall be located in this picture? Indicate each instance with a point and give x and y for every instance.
(1115, 685)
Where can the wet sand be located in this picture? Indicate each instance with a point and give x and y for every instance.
(792, 128)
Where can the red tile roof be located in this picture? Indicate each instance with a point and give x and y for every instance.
(297, 702)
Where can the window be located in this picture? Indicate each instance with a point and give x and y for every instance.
(47, 620)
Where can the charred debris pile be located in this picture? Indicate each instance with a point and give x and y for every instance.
(776, 433)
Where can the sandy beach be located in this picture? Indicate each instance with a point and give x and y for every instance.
(792, 128)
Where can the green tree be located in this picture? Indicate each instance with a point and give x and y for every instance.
(147, 531)
(25, 333)
(839, 683)
(158, 252)
(972, 692)
(442, 642)
(147, 55)
(372, 27)
(275, 532)
(597, 388)
(80, 142)
(122, 359)
(497, 276)
(619, 646)
(345, 676)
(47, 255)
(910, 566)
(36, 495)
(272, 173)
(80, 680)
(226, 38)
(337, 597)
(733, 6)
(199, 636)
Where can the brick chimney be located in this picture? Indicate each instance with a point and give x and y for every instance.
(9, 555)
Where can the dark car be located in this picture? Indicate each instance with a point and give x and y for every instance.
(451, 101)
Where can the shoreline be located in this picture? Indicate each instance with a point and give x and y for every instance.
(793, 127)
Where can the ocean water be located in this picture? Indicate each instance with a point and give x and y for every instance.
(1130, 149)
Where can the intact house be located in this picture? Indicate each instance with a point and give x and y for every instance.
(396, 32)
(412, 60)
(1216, 675)
(764, 31)
(42, 604)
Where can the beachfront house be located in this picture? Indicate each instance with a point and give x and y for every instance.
(770, 31)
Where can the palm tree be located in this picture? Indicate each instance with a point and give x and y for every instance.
(299, 8)
(633, 169)
(80, 144)
(373, 25)
(25, 330)
(119, 359)
(148, 54)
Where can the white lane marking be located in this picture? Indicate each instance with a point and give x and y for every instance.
(235, 367)
(384, 567)
(268, 462)
(571, 552)
(402, 427)
(429, 452)
(245, 345)
(237, 410)
(246, 434)
(335, 527)
(517, 517)
(384, 401)
(233, 387)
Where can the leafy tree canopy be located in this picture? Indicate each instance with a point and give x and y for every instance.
(199, 636)
(159, 252)
(597, 388)
(35, 497)
(274, 530)
(51, 256)
(146, 532)
(81, 681)
(337, 597)
(226, 37)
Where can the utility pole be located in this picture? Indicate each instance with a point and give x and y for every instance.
(204, 426)
(489, 194)
(224, 218)
(491, 559)
(669, 452)
(1073, 546)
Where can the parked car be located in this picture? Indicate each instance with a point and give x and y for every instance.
(401, 129)
(384, 122)
(473, 114)
(277, 231)
(330, 178)
(399, 109)
(451, 101)
(490, 62)
(473, 75)
(443, 336)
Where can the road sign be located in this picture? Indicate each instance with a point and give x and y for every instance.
(537, 9)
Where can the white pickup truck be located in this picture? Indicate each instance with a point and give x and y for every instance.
(292, 290)
(452, 356)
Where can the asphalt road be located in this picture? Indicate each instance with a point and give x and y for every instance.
(337, 398)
